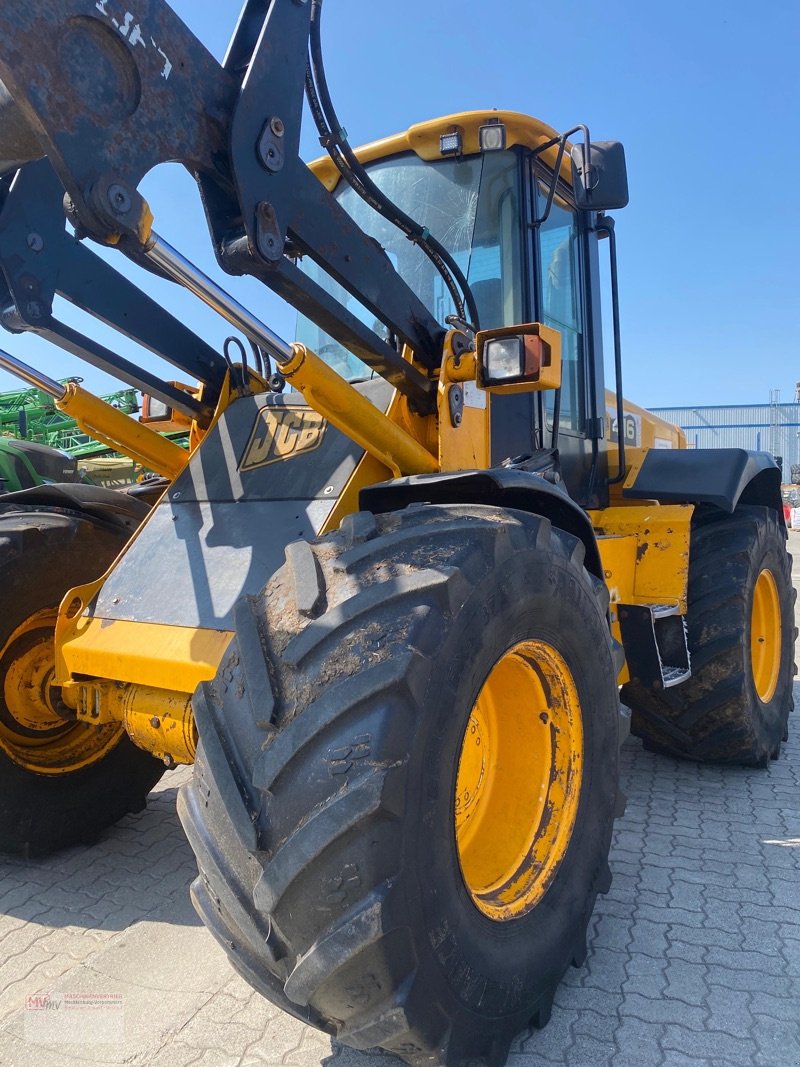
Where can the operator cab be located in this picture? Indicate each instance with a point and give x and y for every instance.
(485, 185)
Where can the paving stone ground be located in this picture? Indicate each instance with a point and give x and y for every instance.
(694, 957)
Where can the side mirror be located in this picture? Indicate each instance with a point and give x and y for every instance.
(603, 184)
(519, 359)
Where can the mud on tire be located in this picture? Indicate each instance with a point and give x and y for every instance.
(321, 808)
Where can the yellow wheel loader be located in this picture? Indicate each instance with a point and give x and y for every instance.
(387, 605)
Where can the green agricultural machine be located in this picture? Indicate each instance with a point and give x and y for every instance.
(24, 464)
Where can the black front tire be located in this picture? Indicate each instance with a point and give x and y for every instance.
(43, 553)
(321, 808)
(717, 715)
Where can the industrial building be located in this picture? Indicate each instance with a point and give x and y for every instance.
(773, 427)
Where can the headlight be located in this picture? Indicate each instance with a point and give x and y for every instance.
(504, 358)
(514, 359)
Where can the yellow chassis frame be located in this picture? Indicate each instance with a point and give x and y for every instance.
(143, 674)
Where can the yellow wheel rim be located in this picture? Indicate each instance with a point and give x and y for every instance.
(519, 780)
(765, 636)
(31, 732)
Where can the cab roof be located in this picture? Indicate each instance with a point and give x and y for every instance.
(423, 140)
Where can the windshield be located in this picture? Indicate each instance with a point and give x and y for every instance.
(471, 206)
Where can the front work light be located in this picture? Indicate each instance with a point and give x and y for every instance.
(492, 137)
(451, 144)
(519, 359)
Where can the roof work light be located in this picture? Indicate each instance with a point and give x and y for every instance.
(492, 136)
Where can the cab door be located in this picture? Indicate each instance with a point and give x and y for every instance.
(566, 297)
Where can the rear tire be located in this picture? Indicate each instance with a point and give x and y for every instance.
(718, 715)
(43, 553)
(322, 808)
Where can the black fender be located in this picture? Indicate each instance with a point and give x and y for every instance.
(93, 501)
(500, 486)
(724, 477)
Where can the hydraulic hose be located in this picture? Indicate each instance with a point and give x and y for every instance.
(334, 140)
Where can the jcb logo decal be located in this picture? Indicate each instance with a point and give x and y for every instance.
(282, 433)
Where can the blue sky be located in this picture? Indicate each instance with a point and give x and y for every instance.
(703, 95)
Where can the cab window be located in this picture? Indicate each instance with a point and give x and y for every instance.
(561, 305)
(471, 205)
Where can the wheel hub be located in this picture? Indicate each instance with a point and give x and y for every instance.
(765, 636)
(27, 688)
(32, 734)
(518, 782)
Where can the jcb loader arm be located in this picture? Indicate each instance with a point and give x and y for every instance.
(109, 96)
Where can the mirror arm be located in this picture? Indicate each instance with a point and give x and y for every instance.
(561, 141)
